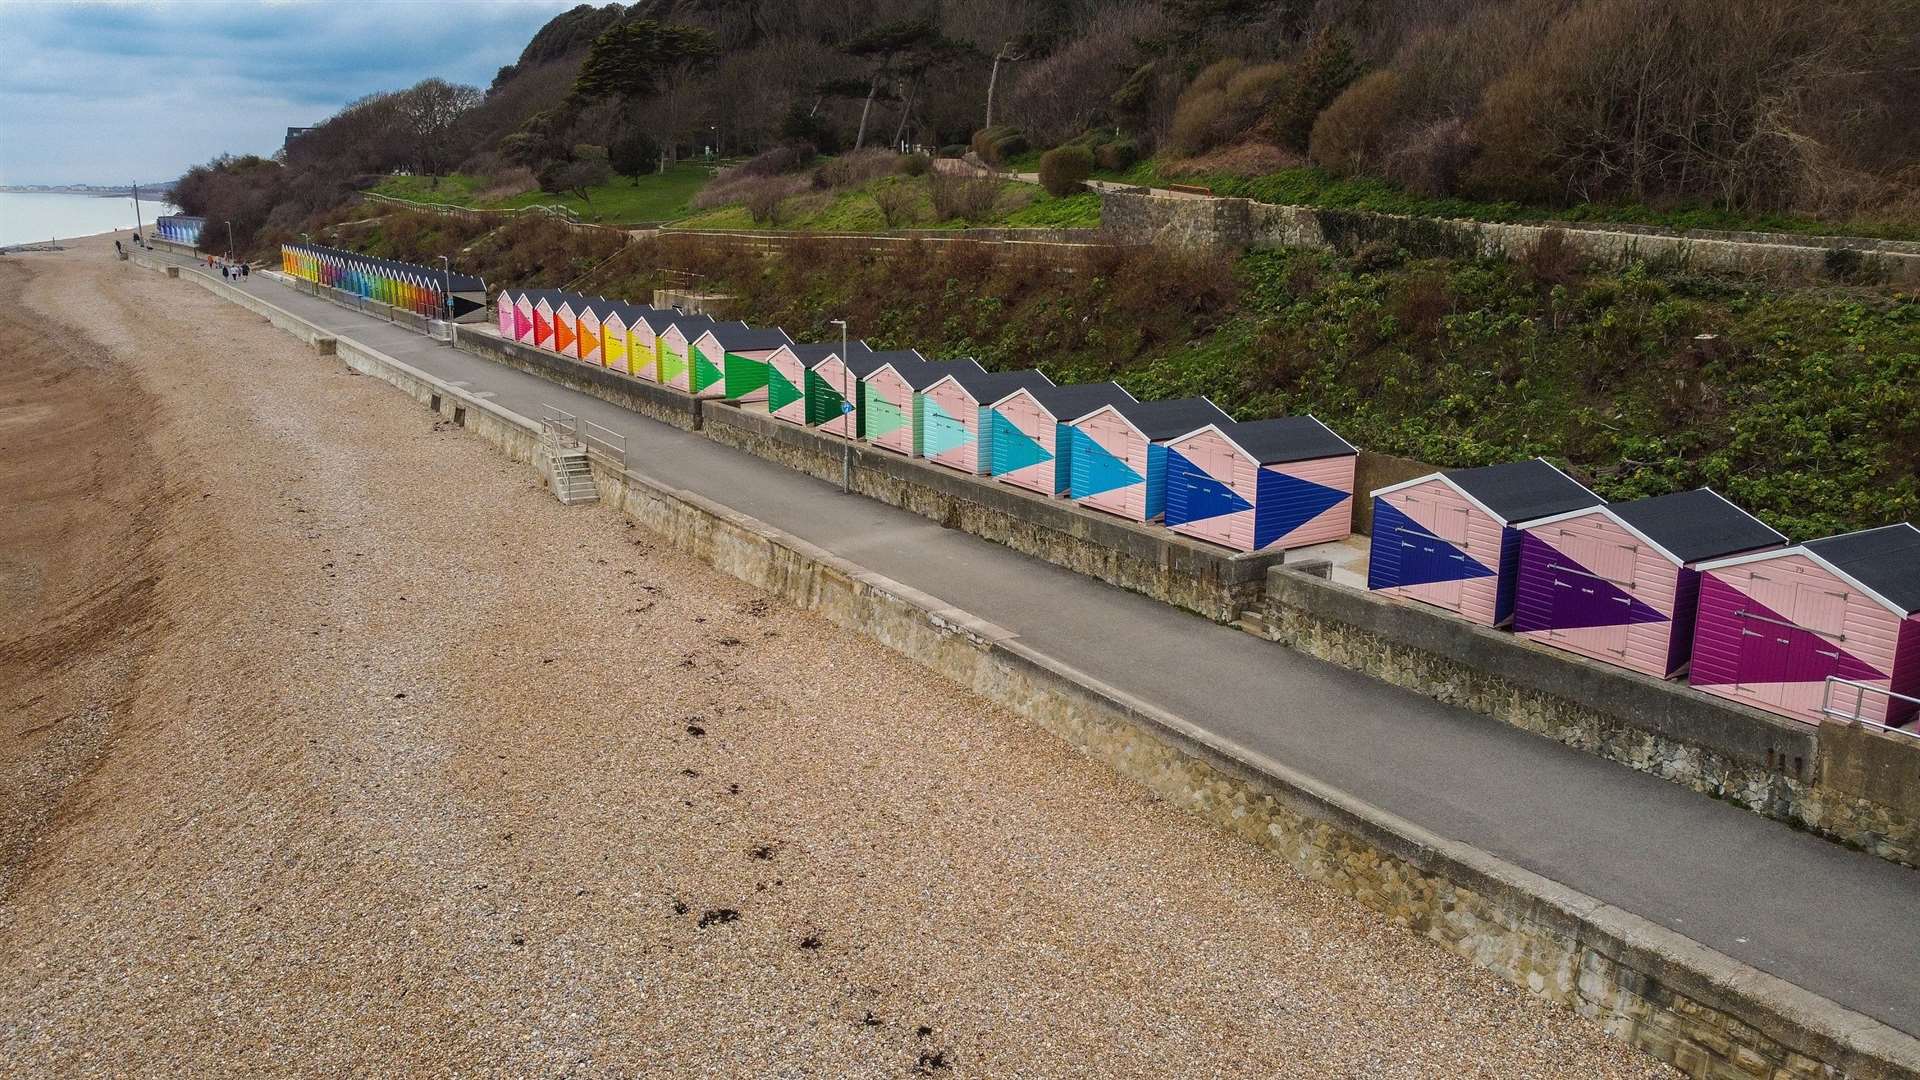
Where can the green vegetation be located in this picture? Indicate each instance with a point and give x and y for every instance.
(1308, 186)
(655, 197)
(1803, 405)
(900, 202)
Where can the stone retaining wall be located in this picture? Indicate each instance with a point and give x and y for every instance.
(662, 403)
(1240, 224)
(1854, 786)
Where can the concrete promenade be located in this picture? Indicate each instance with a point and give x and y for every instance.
(1835, 921)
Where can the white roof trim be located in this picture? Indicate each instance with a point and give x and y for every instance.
(1615, 518)
(1016, 392)
(1802, 549)
(1484, 508)
(945, 378)
(1108, 407)
(1215, 428)
(1332, 432)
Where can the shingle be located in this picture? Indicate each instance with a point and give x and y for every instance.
(1697, 525)
(987, 387)
(1166, 419)
(1524, 490)
(925, 374)
(1286, 438)
(1075, 400)
(1886, 560)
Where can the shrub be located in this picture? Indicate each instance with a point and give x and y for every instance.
(896, 201)
(956, 150)
(856, 167)
(963, 196)
(1117, 155)
(1350, 135)
(1431, 159)
(763, 203)
(1063, 170)
(915, 164)
(781, 159)
(1324, 70)
(1223, 102)
(998, 143)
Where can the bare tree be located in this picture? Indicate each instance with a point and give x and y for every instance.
(430, 111)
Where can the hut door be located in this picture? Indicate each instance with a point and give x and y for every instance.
(1609, 583)
(1450, 524)
(1764, 642)
(1823, 612)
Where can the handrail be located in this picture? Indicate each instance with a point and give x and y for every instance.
(1860, 691)
(603, 442)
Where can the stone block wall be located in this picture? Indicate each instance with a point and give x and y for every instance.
(1240, 224)
(662, 403)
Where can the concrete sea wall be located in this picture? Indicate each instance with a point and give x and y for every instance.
(1680, 1002)
(1851, 785)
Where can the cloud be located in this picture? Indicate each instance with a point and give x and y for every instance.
(111, 92)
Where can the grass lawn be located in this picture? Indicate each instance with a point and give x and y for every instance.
(854, 210)
(654, 197)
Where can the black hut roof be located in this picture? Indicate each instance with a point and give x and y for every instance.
(1159, 420)
(1886, 560)
(1075, 400)
(1286, 438)
(1696, 525)
(1524, 490)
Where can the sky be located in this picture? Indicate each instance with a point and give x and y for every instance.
(112, 92)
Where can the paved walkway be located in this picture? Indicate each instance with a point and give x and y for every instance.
(1836, 921)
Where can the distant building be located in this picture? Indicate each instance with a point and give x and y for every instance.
(294, 133)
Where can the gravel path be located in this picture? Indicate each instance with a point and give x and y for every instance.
(421, 771)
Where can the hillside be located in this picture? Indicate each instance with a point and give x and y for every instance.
(1801, 404)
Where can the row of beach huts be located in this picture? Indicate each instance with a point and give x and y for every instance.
(422, 290)
(1679, 585)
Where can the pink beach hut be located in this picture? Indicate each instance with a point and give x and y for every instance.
(1452, 539)
(1028, 433)
(838, 381)
(955, 428)
(1119, 453)
(1262, 484)
(674, 332)
(787, 369)
(1826, 629)
(503, 313)
(1620, 582)
(888, 404)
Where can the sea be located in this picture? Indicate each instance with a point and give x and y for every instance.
(32, 216)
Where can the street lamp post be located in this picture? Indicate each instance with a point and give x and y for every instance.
(139, 225)
(846, 414)
(229, 241)
(446, 299)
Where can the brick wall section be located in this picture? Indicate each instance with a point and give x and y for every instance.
(1240, 224)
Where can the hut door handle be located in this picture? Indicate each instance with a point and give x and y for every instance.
(1834, 655)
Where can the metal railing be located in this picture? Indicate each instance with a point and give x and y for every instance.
(1835, 699)
(564, 431)
(604, 443)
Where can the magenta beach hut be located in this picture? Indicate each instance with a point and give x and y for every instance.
(1452, 539)
(1620, 582)
(523, 317)
(1119, 452)
(1028, 432)
(1827, 629)
(1261, 485)
(888, 403)
(954, 426)
(503, 313)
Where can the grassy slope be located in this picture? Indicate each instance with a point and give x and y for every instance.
(1315, 187)
(657, 197)
(854, 210)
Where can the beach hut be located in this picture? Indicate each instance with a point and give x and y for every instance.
(1261, 484)
(1118, 453)
(1452, 539)
(1027, 433)
(1776, 626)
(523, 316)
(504, 303)
(613, 336)
(889, 404)
(832, 380)
(543, 323)
(787, 369)
(953, 422)
(730, 360)
(1619, 582)
(566, 326)
(673, 337)
(586, 330)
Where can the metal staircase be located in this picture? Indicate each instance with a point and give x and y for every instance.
(569, 470)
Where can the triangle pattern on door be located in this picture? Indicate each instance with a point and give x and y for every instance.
(1423, 557)
(673, 366)
(942, 432)
(883, 416)
(562, 336)
(589, 341)
(542, 329)
(1593, 600)
(1288, 502)
(780, 392)
(1804, 655)
(1199, 496)
(521, 324)
(705, 374)
(1097, 467)
(1012, 448)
